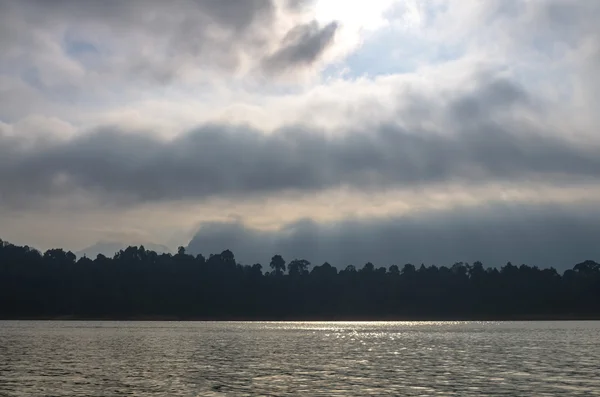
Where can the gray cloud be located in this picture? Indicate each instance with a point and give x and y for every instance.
(302, 46)
(95, 55)
(481, 142)
(140, 39)
(182, 19)
(541, 235)
(492, 94)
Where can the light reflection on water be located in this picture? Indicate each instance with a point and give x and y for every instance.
(299, 358)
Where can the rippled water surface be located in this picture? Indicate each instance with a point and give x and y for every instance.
(219, 358)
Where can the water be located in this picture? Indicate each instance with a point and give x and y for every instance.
(278, 359)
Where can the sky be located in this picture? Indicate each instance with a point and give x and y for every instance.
(423, 131)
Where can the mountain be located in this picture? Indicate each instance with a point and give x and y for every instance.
(109, 248)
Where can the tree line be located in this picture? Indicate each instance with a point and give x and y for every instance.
(137, 283)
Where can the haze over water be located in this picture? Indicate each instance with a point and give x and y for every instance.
(295, 358)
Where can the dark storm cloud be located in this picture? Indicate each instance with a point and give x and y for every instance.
(541, 235)
(302, 46)
(482, 142)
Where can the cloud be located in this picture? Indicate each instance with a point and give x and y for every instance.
(541, 235)
(302, 46)
(482, 140)
(70, 47)
(139, 106)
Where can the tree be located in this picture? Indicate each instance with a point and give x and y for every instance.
(476, 271)
(298, 267)
(408, 269)
(324, 271)
(59, 256)
(587, 268)
(350, 269)
(227, 259)
(257, 269)
(278, 265)
(368, 268)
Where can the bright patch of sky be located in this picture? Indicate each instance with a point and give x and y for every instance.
(356, 15)
(390, 37)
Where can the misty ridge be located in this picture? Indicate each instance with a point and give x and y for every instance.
(138, 283)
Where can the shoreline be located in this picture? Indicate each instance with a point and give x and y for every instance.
(526, 318)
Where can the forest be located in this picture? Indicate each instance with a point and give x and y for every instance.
(140, 284)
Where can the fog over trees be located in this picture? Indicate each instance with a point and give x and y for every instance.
(137, 283)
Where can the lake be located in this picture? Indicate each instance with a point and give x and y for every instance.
(84, 358)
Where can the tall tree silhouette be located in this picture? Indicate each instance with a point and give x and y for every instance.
(277, 264)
